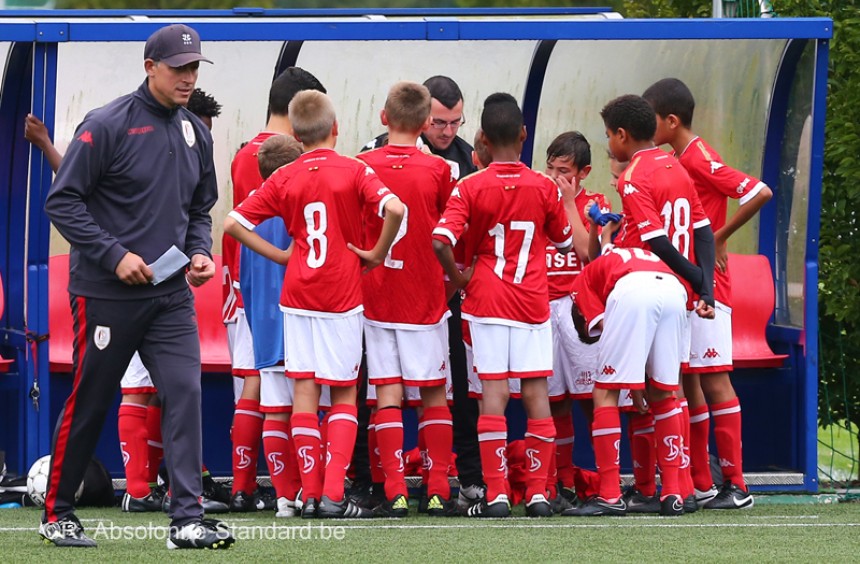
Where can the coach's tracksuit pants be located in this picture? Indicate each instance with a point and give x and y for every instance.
(107, 332)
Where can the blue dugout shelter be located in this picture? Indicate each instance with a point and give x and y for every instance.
(760, 87)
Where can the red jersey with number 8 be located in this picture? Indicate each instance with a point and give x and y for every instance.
(321, 197)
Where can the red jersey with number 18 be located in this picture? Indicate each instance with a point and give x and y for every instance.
(321, 197)
(512, 212)
(408, 289)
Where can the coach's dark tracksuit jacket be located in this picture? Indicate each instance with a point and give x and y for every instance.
(138, 177)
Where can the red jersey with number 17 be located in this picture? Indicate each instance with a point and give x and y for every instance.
(321, 197)
(715, 183)
(512, 212)
(408, 289)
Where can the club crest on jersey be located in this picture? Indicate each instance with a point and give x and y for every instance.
(188, 133)
(101, 337)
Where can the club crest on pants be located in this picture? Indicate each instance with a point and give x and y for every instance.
(101, 337)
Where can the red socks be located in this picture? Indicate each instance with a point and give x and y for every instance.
(341, 432)
(281, 458)
(389, 440)
(438, 429)
(667, 435)
(493, 439)
(155, 448)
(727, 432)
(606, 437)
(377, 475)
(539, 441)
(306, 438)
(700, 460)
(564, 442)
(247, 429)
(685, 472)
(132, 444)
(644, 456)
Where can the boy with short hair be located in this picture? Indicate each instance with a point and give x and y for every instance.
(321, 197)
(707, 380)
(406, 329)
(511, 212)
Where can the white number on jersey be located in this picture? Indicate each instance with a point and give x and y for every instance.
(316, 227)
(677, 216)
(401, 233)
(627, 254)
(498, 233)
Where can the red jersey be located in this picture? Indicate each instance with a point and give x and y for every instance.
(562, 269)
(512, 211)
(321, 197)
(597, 280)
(716, 183)
(245, 173)
(408, 288)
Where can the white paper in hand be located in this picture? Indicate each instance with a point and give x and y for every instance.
(168, 264)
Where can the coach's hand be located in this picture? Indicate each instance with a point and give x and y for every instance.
(201, 269)
(133, 270)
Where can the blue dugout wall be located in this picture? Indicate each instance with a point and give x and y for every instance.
(760, 87)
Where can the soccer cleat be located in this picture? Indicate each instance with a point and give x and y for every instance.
(703, 497)
(286, 508)
(397, 507)
(368, 496)
(437, 506)
(690, 505)
(538, 506)
(299, 502)
(637, 502)
(207, 533)
(499, 507)
(423, 503)
(146, 504)
(469, 496)
(731, 497)
(343, 509)
(242, 502)
(309, 508)
(67, 532)
(560, 503)
(598, 507)
(265, 501)
(672, 506)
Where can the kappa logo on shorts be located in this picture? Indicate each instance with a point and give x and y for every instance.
(711, 353)
(607, 370)
(443, 366)
(101, 337)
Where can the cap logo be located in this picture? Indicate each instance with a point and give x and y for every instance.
(186, 38)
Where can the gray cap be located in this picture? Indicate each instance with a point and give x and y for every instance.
(175, 45)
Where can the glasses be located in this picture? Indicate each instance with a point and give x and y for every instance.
(442, 124)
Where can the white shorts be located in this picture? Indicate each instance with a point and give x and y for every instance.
(327, 349)
(651, 306)
(688, 338)
(476, 388)
(574, 362)
(136, 379)
(502, 351)
(410, 357)
(276, 390)
(241, 346)
(711, 342)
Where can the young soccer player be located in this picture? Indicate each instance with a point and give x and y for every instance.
(707, 381)
(321, 196)
(406, 329)
(624, 293)
(511, 212)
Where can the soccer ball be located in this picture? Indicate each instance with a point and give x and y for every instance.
(37, 481)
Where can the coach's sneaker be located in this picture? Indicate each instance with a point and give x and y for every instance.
(672, 506)
(286, 508)
(66, 532)
(596, 506)
(343, 509)
(731, 497)
(397, 507)
(470, 495)
(703, 497)
(309, 508)
(207, 533)
(499, 507)
(690, 505)
(538, 506)
(437, 506)
(146, 504)
(637, 502)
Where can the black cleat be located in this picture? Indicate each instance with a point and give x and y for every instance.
(672, 506)
(703, 497)
(560, 503)
(146, 504)
(368, 496)
(207, 533)
(690, 505)
(637, 502)
(731, 497)
(538, 506)
(67, 532)
(309, 508)
(437, 506)
(598, 507)
(499, 507)
(343, 509)
(242, 502)
(397, 507)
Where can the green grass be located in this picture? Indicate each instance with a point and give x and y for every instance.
(838, 458)
(796, 533)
